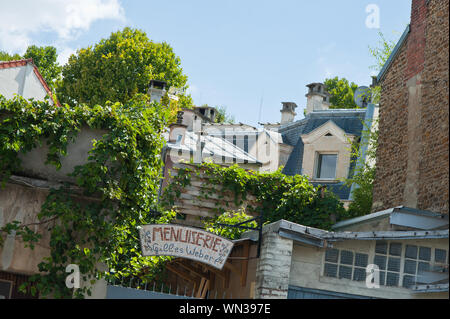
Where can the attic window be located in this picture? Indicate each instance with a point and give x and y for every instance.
(326, 166)
(328, 134)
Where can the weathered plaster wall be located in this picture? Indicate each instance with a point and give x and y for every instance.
(22, 204)
(33, 162)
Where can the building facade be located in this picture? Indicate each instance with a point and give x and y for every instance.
(413, 152)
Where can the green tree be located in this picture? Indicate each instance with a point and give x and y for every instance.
(364, 174)
(45, 59)
(381, 52)
(342, 93)
(222, 116)
(117, 68)
(5, 56)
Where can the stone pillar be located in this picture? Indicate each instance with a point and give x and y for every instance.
(274, 265)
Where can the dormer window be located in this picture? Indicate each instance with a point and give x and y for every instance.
(326, 166)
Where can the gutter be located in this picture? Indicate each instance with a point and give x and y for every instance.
(393, 54)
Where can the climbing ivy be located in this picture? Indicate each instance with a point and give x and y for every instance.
(119, 181)
(279, 196)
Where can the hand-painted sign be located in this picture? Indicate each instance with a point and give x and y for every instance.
(185, 242)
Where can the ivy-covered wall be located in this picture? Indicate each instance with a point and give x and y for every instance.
(121, 176)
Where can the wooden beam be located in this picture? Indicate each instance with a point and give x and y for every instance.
(219, 273)
(212, 280)
(244, 267)
(191, 269)
(203, 288)
(181, 273)
(226, 281)
(232, 267)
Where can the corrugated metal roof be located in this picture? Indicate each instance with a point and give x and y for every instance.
(215, 146)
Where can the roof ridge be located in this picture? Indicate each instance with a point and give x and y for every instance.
(24, 62)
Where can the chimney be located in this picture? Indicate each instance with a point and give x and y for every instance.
(318, 99)
(416, 39)
(209, 113)
(288, 112)
(157, 89)
(177, 130)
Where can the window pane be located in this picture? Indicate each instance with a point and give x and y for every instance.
(346, 257)
(395, 249)
(331, 255)
(380, 261)
(425, 253)
(410, 267)
(440, 255)
(411, 252)
(330, 270)
(408, 281)
(423, 267)
(359, 274)
(392, 279)
(361, 260)
(382, 277)
(5, 288)
(381, 247)
(394, 264)
(345, 272)
(326, 166)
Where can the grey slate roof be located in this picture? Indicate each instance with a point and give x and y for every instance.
(350, 121)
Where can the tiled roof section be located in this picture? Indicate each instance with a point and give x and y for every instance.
(350, 121)
(24, 62)
(14, 64)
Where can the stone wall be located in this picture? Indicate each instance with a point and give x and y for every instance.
(274, 265)
(412, 155)
(434, 161)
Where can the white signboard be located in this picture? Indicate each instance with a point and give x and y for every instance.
(185, 242)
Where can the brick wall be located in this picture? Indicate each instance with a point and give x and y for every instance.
(412, 155)
(434, 160)
(392, 142)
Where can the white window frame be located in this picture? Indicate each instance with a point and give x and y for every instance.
(316, 166)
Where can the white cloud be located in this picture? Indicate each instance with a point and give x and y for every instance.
(21, 20)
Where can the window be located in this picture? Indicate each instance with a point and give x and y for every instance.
(5, 289)
(345, 264)
(326, 166)
(387, 258)
(417, 259)
(395, 272)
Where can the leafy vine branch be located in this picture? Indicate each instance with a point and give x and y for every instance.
(280, 196)
(122, 174)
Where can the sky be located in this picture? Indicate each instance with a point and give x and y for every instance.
(247, 56)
